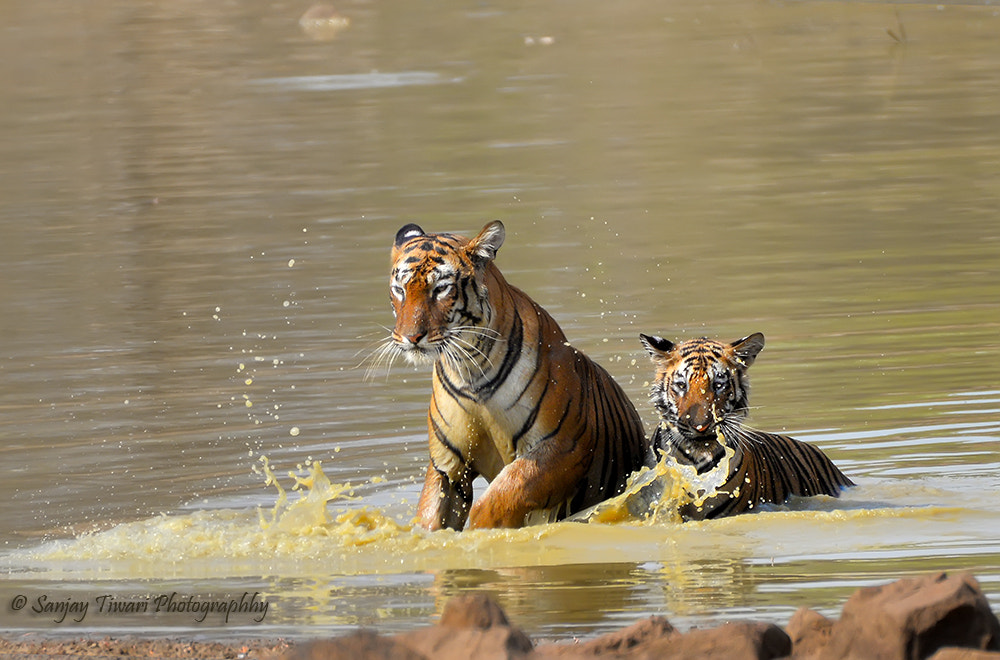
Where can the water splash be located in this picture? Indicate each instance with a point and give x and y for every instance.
(310, 511)
(655, 495)
(316, 534)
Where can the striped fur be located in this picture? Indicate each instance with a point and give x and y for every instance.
(511, 401)
(701, 391)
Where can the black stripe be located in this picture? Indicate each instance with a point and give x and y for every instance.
(442, 437)
(590, 398)
(554, 432)
(532, 416)
(608, 419)
(539, 353)
(510, 358)
(453, 390)
(796, 453)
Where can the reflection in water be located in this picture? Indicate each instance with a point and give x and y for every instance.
(692, 169)
(348, 81)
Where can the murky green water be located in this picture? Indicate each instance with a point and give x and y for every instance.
(198, 200)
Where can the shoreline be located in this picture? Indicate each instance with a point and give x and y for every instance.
(938, 616)
(36, 645)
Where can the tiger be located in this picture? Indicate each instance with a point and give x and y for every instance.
(701, 392)
(511, 400)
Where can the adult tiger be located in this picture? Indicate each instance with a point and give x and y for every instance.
(701, 391)
(512, 401)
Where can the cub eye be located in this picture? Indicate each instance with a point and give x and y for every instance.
(397, 291)
(680, 386)
(720, 385)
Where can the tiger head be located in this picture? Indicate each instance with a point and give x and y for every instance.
(439, 295)
(701, 383)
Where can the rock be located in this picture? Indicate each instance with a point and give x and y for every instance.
(623, 643)
(809, 631)
(936, 616)
(731, 641)
(912, 619)
(361, 645)
(472, 626)
(476, 610)
(952, 653)
(443, 643)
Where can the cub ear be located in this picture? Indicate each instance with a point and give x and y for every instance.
(746, 349)
(483, 248)
(406, 233)
(656, 346)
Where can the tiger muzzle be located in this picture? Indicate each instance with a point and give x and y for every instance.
(697, 417)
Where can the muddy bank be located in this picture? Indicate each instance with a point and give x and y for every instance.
(939, 616)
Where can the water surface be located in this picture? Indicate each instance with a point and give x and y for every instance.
(198, 202)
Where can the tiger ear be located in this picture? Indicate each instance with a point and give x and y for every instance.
(656, 346)
(406, 233)
(483, 248)
(746, 349)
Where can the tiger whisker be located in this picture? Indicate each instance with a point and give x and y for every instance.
(385, 338)
(384, 355)
(462, 356)
(745, 436)
(453, 361)
(472, 350)
(374, 354)
(482, 331)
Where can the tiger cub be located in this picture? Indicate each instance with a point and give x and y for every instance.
(511, 400)
(701, 391)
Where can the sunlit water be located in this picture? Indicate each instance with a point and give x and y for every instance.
(197, 206)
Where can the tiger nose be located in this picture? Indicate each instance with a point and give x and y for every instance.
(698, 418)
(415, 337)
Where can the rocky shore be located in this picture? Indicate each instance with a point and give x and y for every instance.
(939, 616)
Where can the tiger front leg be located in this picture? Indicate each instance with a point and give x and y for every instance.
(523, 486)
(444, 503)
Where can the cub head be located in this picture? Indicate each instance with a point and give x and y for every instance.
(700, 383)
(438, 291)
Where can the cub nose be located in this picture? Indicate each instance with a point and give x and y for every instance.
(699, 419)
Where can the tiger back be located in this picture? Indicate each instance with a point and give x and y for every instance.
(511, 400)
(701, 391)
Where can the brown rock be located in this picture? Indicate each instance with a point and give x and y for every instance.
(952, 653)
(361, 645)
(472, 626)
(731, 641)
(912, 619)
(445, 643)
(626, 642)
(809, 631)
(476, 610)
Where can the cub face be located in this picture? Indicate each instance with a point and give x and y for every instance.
(701, 382)
(438, 292)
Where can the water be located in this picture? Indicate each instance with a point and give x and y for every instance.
(198, 202)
